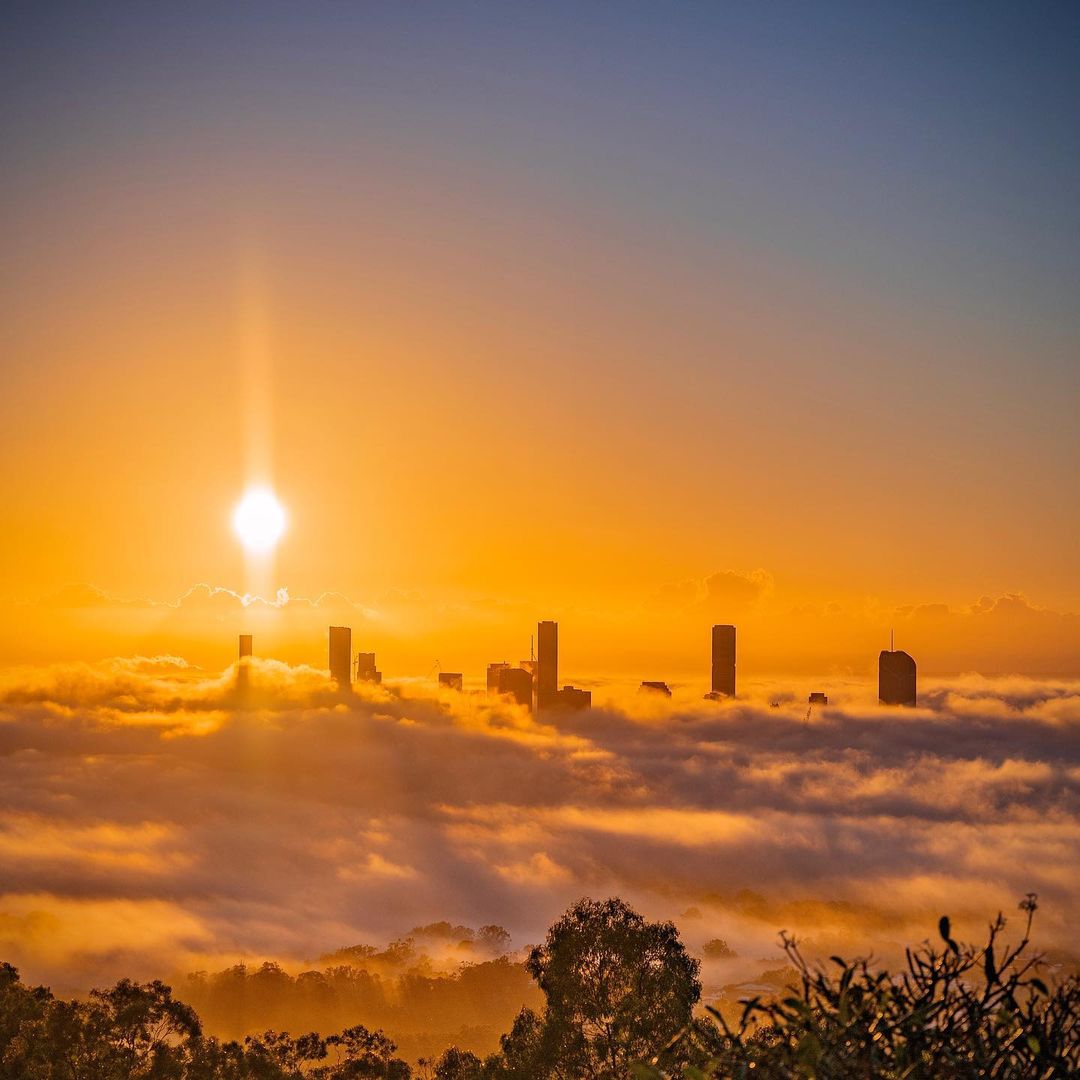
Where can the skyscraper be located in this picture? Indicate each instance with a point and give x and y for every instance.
(365, 668)
(341, 656)
(571, 697)
(896, 678)
(243, 674)
(723, 660)
(547, 664)
(650, 686)
(451, 680)
(518, 683)
(493, 675)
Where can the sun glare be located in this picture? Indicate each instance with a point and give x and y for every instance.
(259, 520)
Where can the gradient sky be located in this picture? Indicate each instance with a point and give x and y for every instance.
(560, 304)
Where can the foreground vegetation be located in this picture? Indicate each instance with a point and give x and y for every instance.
(619, 1002)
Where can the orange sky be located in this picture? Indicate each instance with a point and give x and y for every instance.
(544, 350)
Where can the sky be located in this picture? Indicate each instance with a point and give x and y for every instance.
(552, 306)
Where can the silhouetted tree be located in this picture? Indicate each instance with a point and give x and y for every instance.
(618, 990)
(144, 1022)
(957, 1013)
(718, 949)
(524, 1054)
(455, 1064)
(363, 1053)
(495, 938)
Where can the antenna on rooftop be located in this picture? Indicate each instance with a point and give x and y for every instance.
(892, 644)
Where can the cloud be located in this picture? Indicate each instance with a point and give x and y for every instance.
(286, 822)
(724, 593)
(736, 588)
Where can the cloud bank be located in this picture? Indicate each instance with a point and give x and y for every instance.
(153, 818)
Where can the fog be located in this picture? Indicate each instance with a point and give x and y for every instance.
(156, 821)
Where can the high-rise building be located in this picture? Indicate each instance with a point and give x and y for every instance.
(365, 668)
(651, 687)
(723, 660)
(341, 656)
(570, 697)
(493, 672)
(896, 678)
(518, 683)
(243, 673)
(818, 698)
(547, 664)
(451, 680)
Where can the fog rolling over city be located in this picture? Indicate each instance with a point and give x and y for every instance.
(161, 818)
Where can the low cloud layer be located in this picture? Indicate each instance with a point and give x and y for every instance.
(153, 818)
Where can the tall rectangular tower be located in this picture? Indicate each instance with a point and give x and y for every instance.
(341, 656)
(896, 678)
(245, 645)
(723, 660)
(547, 664)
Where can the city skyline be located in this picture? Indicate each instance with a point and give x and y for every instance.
(534, 683)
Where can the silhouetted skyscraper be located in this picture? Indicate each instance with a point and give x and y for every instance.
(451, 680)
(243, 680)
(570, 697)
(652, 687)
(818, 697)
(365, 668)
(493, 671)
(723, 660)
(896, 678)
(518, 683)
(341, 656)
(547, 664)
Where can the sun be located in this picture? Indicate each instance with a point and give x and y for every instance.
(259, 520)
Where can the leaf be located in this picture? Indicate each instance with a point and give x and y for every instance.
(988, 965)
(943, 928)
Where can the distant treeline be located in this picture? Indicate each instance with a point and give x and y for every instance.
(425, 1010)
(617, 1000)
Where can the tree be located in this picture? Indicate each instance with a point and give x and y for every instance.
(956, 1012)
(455, 1064)
(718, 949)
(524, 1055)
(143, 1022)
(363, 1054)
(619, 989)
(495, 938)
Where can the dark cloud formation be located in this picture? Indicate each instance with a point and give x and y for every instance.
(153, 816)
